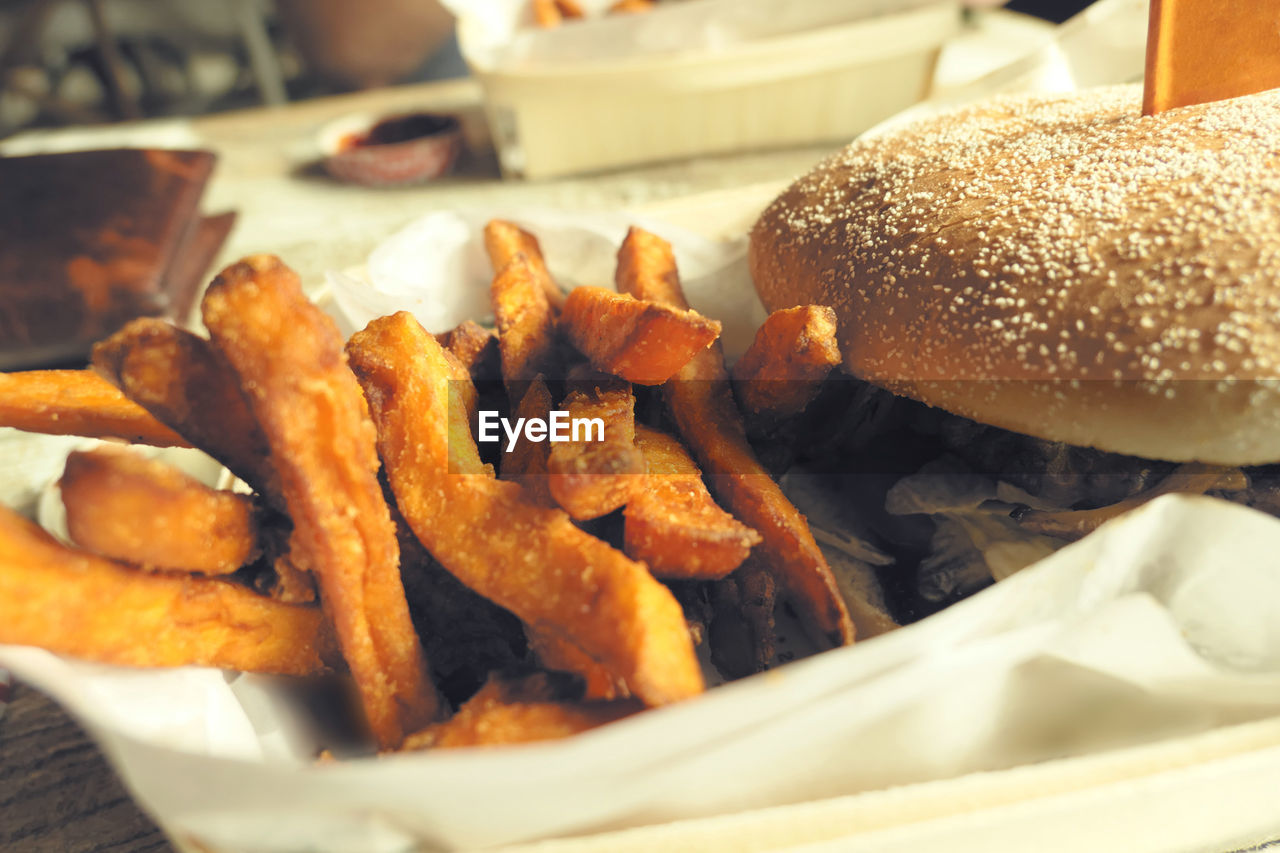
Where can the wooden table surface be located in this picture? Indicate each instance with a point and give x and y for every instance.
(57, 792)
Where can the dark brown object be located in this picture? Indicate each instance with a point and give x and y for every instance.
(91, 240)
(57, 791)
(742, 627)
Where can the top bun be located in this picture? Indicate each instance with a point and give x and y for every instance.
(1056, 265)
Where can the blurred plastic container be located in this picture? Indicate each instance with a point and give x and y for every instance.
(825, 84)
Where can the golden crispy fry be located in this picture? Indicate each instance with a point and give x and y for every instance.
(631, 7)
(643, 342)
(77, 402)
(742, 627)
(522, 712)
(570, 9)
(647, 269)
(289, 356)
(545, 14)
(141, 511)
(526, 464)
(88, 607)
(558, 654)
(673, 525)
(182, 380)
(504, 240)
(701, 401)
(526, 327)
(591, 478)
(527, 558)
(475, 348)
(782, 371)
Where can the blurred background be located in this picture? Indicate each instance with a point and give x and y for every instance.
(75, 62)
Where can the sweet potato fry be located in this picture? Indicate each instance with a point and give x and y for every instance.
(570, 9)
(631, 7)
(591, 478)
(546, 14)
(643, 342)
(526, 327)
(126, 507)
(182, 380)
(78, 402)
(782, 371)
(475, 348)
(701, 402)
(673, 525)
(520, 712)
(78, 604)
(504, 240)
(526, 463)
(289, 357)
(527, 558)
(559, 655)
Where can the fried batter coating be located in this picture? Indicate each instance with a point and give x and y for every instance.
(289, 357)
(182, 380)
(643, 342)
(519, 712)
(78, 402)
(673, 525)
(78, 604)
(504, 240)
(141, 511)
(782, 371)
(526, 463)
(591, 478)
(701, 402)
(475, 348)
(526, 328)
(527, 558)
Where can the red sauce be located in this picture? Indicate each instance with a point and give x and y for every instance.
(397, 129)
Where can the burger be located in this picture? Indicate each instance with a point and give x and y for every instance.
(1051, 309)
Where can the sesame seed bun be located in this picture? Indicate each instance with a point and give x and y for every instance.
(1059, 266)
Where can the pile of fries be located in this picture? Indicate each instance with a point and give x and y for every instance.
(529, 593)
